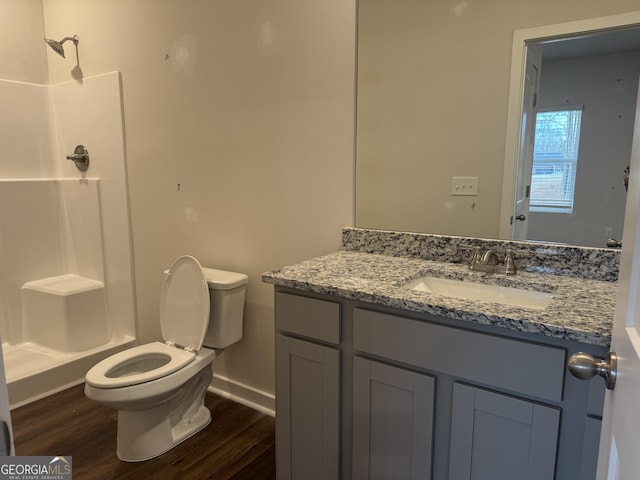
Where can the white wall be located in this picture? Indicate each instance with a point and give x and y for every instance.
(239, 138)
(21, 32)
(607, 86)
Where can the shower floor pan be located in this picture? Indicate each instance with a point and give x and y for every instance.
(33, 371)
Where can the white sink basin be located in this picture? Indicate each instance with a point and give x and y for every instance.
(482, 292)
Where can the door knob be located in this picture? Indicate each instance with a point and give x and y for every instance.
(613, 243)
(521, 217)
(584, 366)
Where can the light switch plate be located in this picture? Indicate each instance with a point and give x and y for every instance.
(464, 186)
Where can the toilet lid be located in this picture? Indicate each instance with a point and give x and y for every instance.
(184, 304)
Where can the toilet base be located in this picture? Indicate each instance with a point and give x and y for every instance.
(145, 434)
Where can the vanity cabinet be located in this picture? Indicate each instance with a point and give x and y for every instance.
(384, 393)
(492, 435)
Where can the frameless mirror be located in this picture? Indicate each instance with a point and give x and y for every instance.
(439, 89)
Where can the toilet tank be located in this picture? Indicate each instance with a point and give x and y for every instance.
(226, 292)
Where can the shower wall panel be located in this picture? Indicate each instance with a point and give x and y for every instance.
(90, 113)
(26, 131)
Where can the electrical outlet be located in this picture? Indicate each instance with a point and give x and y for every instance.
(608, 232)
(464, 186)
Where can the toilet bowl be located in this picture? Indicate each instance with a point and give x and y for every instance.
(159, 388)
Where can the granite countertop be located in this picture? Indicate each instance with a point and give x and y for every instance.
(581, 310)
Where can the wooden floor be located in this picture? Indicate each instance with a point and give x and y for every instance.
(238, 444)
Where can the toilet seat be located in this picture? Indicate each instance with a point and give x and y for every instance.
(111, 372)
(184, 317)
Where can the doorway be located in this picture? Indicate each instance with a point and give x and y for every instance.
(592, 51)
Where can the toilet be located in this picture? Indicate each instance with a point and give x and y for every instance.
(159, 388)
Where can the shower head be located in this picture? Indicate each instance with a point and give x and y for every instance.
(57, 45)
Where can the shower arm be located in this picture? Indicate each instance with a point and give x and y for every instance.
(75, 39)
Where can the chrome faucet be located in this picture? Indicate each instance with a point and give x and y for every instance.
(486, 260)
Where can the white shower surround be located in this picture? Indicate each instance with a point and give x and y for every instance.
(55, 222)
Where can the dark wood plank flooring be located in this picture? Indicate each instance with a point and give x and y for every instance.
(238, 444)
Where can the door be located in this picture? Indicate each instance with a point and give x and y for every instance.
(307, 410)
(498, 437)
(525, 160)
(392, 422)
(619, 456)
(6, 433)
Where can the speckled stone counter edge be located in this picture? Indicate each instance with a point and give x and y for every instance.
(580, 262)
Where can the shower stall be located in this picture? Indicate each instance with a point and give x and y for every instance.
(66, 275)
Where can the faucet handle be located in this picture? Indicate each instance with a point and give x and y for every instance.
(477, 253)
(509, 263)
(476, 256)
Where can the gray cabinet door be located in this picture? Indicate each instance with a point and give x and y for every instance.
(392, 422)
(590, 447)
(498, 437)
(307, 410)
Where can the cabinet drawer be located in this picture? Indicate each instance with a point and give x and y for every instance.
(519, 366)
(309, 317)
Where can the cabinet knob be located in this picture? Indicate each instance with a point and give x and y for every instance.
(584, 366)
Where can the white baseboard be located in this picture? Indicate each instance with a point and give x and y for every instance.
(244, 394)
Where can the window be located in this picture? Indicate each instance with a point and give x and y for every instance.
(555, 158)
